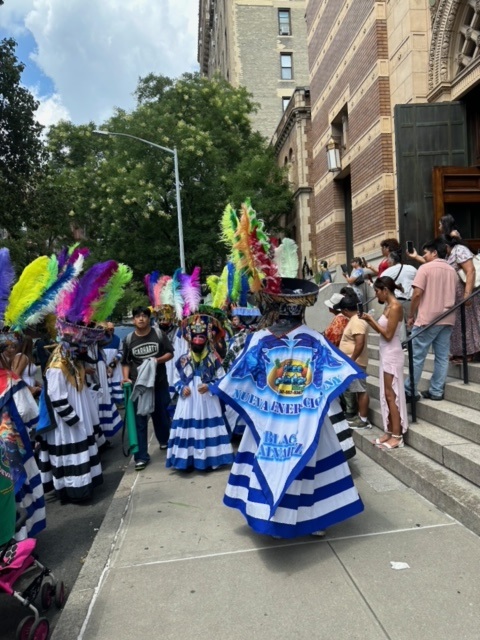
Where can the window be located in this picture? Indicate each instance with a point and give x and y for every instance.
(286, 63)
(285, 101)
(284, 26)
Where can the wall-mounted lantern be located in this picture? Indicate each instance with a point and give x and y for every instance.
(333, 156)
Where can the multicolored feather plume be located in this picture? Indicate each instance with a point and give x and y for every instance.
(166, 292)
(48, 300)
(30, 287)
(253, 246)
(7, 276)
(151, 280)
(89, 290)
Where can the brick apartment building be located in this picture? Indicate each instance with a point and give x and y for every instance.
(259, 44)
(393, 87)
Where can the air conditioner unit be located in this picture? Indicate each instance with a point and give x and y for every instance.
(285, 31)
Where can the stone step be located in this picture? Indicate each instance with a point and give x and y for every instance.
(446, 489)
(452, 451)
(447, 414)
(455, 390)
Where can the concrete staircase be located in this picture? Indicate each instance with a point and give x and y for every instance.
(442, 458)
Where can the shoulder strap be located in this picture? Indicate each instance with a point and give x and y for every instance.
(396, 277)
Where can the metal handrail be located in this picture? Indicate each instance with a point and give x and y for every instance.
(408, 343)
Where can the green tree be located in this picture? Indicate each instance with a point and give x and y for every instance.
(121, 192)
(21, 147)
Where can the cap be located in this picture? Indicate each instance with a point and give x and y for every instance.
(335, 299)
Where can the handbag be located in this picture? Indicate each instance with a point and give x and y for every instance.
(476, 265)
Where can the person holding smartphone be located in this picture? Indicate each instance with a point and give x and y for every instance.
(392, 392)
(356, 277)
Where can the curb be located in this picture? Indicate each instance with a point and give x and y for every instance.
(83, 591)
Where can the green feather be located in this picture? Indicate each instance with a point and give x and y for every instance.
(112, 293)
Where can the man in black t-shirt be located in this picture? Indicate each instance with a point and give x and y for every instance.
(148, 342)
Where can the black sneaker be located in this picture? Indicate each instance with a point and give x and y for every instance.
(428, 396)
(163, 446)
(140, 465)
(408, 397)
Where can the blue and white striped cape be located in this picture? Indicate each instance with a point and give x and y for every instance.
(290, 476)
(16, 399)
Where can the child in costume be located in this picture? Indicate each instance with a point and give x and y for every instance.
(199, 437)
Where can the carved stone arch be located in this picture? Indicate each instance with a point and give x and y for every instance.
(440, 48)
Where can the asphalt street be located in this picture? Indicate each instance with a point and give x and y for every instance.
(71, 530)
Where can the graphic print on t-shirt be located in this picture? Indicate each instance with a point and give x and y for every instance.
(145, 350)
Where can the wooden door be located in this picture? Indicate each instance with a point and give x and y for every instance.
(426, 136)
(456, 191)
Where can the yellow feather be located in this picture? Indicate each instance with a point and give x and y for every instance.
(30, 286)
(221, 293)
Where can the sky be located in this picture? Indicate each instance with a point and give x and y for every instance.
(84, 57)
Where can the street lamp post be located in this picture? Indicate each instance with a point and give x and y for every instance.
(177, 183)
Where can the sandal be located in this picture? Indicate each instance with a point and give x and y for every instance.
(378, 441)
(399, 445)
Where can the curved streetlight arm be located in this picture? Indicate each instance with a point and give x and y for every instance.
(177, 182)
(129, 135)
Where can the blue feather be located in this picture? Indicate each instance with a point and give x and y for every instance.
(244, 291)
(7, 276)
(177, 293)
(230, 278)
(46, 303)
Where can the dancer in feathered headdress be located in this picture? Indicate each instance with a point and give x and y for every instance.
(286, 384)
(78, 408)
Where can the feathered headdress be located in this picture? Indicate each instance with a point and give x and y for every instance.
(47, 302)
(7, 276)
(254, 252)
(79, 305)
(35, 280)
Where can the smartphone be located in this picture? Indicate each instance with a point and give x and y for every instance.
(344, 268)
(410, 247)
(360, 308)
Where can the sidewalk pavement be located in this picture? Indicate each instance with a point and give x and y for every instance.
(171, 561)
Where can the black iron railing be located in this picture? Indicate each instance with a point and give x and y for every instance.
(409, 340)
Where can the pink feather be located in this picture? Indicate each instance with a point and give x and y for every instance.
(191, 292)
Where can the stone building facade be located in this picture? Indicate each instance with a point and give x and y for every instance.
(393, 84)
(259, 44)
(292, 144)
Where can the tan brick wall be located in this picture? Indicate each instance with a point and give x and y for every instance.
(348, 55)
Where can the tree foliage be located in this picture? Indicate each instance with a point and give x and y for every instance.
(118, 194)
(20, 144)
(122, 191)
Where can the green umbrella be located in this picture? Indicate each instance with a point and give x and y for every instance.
(129, 420)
